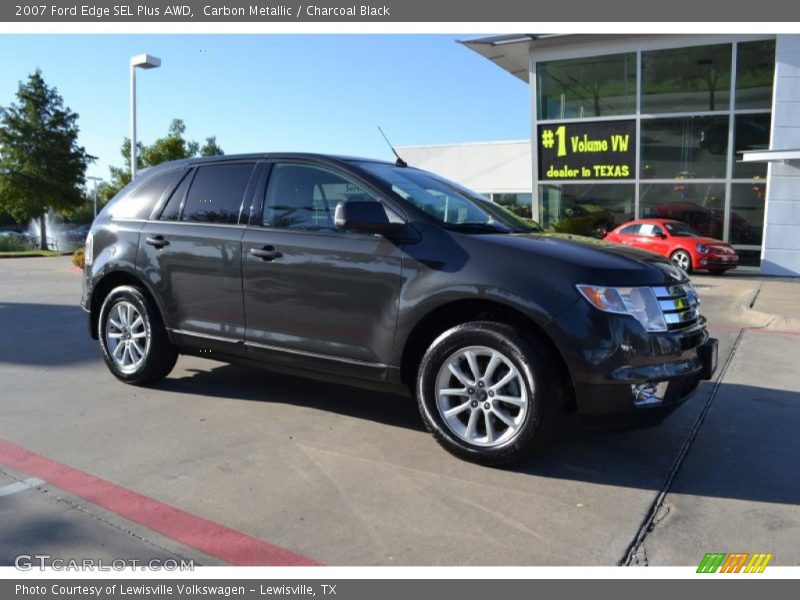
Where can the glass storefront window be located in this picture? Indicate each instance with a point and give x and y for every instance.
(585, 209)
(694, 116)
(755, 70)
(751, 133)
(684, 147)
(587, 87)
(686, 79)
(519, 204)
(747, 212)
(701, 205)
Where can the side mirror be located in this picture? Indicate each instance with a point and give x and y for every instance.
(661, 234)
(365, 217)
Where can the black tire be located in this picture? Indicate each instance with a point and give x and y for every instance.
(159, 355)
(673, 258)
(538, 370)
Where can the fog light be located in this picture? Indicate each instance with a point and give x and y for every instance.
(648, 394)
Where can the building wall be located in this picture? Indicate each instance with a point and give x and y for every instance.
(486, 167)
(780, 253)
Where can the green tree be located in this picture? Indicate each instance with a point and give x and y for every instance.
(41, 164)
(211, 148)
(174, 146)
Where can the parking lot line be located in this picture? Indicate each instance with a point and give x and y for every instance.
(13, 488)
(201, 534)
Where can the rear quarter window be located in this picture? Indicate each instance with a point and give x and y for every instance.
(138, 199)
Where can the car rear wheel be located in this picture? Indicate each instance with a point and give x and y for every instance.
(487, 394)
(135, 344)
(682, 259)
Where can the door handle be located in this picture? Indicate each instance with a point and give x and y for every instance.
(157, 240)
(266, 253)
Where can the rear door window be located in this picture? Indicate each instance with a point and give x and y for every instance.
(217, 192)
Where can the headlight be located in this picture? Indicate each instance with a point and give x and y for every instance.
(638, 302)
(702, 249)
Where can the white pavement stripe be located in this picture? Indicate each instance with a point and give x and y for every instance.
(20, 486)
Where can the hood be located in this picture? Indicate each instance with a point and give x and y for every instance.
(588, 260)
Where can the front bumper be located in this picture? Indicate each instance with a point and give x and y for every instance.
(713, 261)
(611, 359)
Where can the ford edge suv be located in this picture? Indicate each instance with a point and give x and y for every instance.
(376, 273)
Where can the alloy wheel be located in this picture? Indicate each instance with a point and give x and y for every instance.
(126, 336)
(682, 260)
(481, 396)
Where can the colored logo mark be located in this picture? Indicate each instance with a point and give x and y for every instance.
(736, 562)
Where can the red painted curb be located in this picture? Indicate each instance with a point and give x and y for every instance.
(206, 536)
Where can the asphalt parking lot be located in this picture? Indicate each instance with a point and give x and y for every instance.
(283, 469)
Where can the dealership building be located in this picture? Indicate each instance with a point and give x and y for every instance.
(700, 128)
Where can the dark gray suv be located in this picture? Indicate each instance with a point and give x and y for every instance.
(373, 272)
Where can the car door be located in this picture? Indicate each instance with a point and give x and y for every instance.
(191, 256)
(315, 296)
(652, 237)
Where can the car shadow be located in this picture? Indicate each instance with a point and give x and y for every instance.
(747, 454)
(47, 335)
(252, 384)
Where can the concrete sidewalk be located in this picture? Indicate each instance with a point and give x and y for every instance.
(779, 297)
(737, 489)
(754, 300)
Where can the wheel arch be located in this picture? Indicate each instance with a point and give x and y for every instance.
(108, 282)
(448, 315)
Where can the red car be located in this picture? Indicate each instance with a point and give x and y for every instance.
(684, 246)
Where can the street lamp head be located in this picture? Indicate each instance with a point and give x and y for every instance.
(145, 61)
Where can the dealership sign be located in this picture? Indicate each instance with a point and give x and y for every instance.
(587, 150)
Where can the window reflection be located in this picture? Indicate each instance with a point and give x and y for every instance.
(585, 209)
(519, 204)
(747, 212)
(755, 70)
(684, 147)
(686, 79)
(751, 133)
(700, 205)
(587, 87)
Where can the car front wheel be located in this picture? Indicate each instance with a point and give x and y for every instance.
(487, 394)
(682, 259)
(135, 344)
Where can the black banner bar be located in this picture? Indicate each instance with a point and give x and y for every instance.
(473, 11)
(372, 589)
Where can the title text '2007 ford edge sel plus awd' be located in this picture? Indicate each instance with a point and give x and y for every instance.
(377, 272)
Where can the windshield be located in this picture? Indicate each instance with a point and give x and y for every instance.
(682, 230)
(454, 206)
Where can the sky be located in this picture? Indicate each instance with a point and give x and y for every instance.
(270, 92)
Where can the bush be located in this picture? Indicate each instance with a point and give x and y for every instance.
(79, 258)
(13, 242)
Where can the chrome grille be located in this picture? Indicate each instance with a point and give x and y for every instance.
(680, 305)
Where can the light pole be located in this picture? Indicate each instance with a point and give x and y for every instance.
(141, 61)
(94, 192)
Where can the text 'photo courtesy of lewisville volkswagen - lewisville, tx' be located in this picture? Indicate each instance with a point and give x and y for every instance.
(380, 304)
